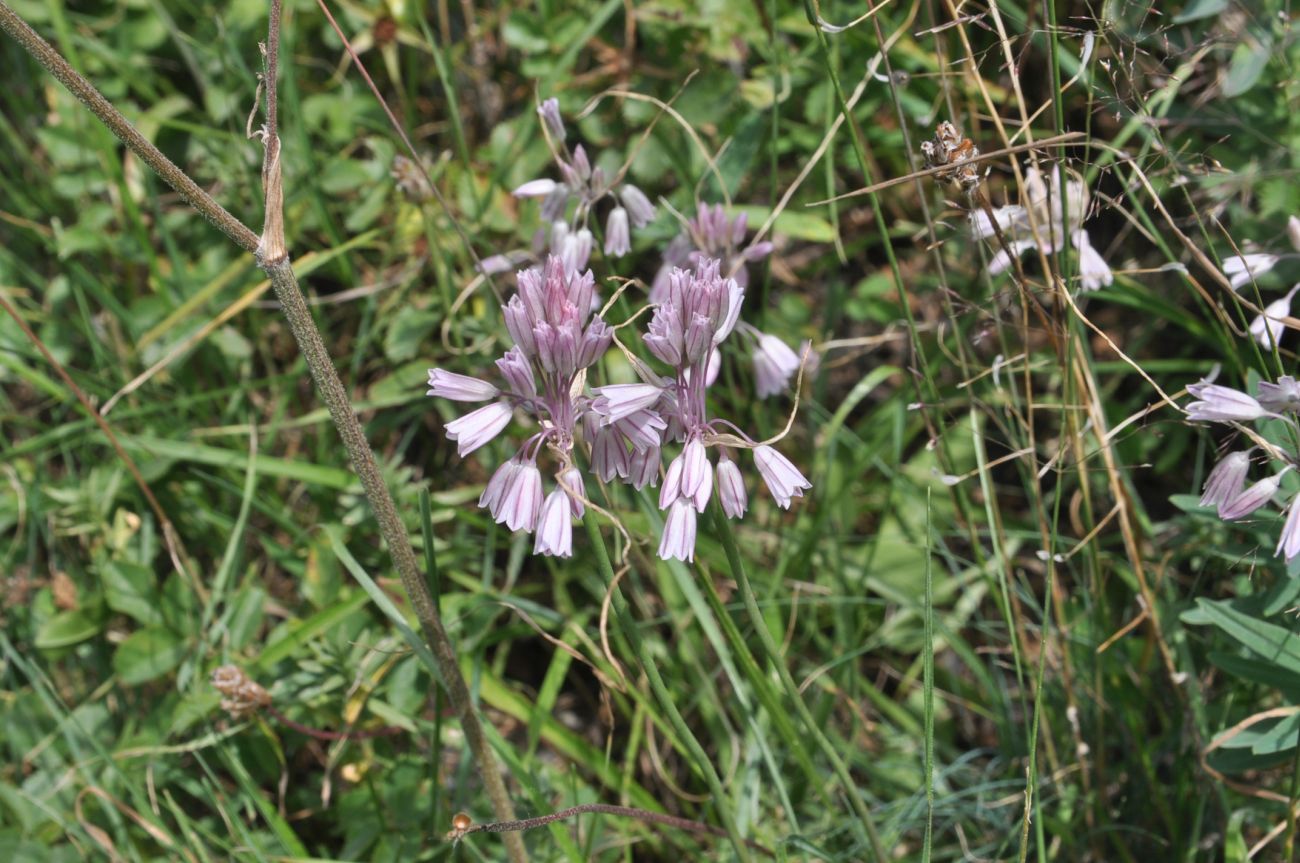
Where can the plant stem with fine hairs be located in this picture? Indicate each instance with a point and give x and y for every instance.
(274, 259)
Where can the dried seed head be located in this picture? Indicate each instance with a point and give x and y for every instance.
(955, 154)
(410, 179)
(243, 696)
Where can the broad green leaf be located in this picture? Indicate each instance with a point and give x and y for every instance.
(1248, 63)
(1280, 737)
(148, 654)
(792, 223)
(1254, 669)
(67, 628)
(1199, 9)
(1264, 639)
(409, 333)
(133, 590)
(245, 615)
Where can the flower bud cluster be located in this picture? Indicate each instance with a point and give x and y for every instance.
(711, 235)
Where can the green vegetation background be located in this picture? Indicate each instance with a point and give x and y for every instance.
(1115, 664)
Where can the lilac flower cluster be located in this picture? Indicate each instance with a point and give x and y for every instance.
(623, 426)
(711, 235)
(588, 185)
(1226, 488)
(556, 339)
(699, 309)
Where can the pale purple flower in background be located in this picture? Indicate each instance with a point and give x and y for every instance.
(642, 430)
(783, 479)
(1050, 211)
(1064, 196)
(618, 401)
(609, 456)
(774, 364)
(639, 208)
(643, 468)
(731, 487)
(496, 264)
(1094, 272)
(478, 427)
(549, 111)
(555, 526)
(671, 490)
(459, 388)
(618, 240)
(1007, 218)
(495, 490)
(572, 247)
(574, 486)
(518, 372)
(711, 235)
(1217, 403)
(678, 540)
(588, 184)
(1000, 261)
(1268, 327)
(704, 491)
(1281, 396)
(555, 204)
(1226, 480)
(696, 472)
(1242, 269)
(1288, 544)
(536, 189)
(811, 359)
(1252, 498)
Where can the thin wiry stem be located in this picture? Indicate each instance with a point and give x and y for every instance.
(276, 263)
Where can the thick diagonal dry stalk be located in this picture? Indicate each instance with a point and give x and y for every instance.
(273, 257)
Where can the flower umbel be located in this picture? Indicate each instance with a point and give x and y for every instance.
(1225, 487)
(699, 308)
(556, 338)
